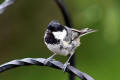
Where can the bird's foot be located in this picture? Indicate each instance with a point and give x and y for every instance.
(65, 66)
(47, 60)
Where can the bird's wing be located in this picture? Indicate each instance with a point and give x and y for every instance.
(78, 33)
(69, 34)
(75, 34)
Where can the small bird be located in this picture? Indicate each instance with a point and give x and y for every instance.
(63, 40)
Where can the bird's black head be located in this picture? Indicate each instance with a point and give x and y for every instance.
(55, 26)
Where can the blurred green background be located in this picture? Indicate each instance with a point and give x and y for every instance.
(22, 28)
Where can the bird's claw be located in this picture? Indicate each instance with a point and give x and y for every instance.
(65, 66)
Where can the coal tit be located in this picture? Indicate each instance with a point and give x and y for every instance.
(63, 40)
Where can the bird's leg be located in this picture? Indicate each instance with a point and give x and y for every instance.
(67, 63)
(49, 59)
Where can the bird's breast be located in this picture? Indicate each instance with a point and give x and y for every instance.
(58, 49)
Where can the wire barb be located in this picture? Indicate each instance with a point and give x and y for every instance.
(40, 62)
(5, 4)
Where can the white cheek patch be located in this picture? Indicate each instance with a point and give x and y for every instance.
(60, 34)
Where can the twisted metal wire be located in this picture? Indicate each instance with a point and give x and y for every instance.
(5, 4)
(40, 62)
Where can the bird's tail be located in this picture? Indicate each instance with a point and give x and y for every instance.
(86, 31)
(79, 33)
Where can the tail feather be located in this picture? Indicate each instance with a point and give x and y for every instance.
(79, 33)
(86, 31)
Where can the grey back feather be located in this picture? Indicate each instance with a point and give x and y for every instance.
(69, 34)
